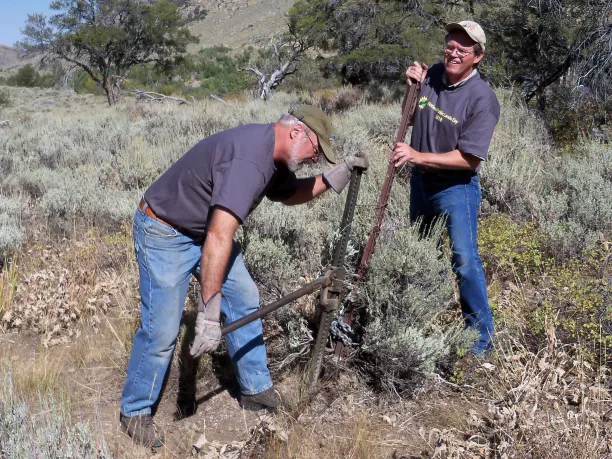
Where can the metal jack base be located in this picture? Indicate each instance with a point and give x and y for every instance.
(330, 286)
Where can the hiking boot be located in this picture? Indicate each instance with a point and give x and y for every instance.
(269, 400)
(142, 430)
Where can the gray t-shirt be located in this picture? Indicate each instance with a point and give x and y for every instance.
(233, 169)
(454, 117)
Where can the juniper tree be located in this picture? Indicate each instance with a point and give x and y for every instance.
(106, 38)
(373, 41)
(552, 41)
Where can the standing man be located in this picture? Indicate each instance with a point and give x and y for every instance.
(453, 126)
(185, 226)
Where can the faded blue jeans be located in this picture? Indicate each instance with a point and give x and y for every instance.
(458, 200)
(167, 259)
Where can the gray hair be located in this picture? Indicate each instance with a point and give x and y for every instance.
(287, 119)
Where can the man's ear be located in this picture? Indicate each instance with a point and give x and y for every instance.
(295, 130)
(478, 58)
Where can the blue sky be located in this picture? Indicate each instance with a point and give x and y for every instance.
(13, 15)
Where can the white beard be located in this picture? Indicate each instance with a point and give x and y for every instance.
(295, 164)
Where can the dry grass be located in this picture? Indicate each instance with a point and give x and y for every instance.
(35, 374)
(8, 287)
(77, 287)
(547, 403)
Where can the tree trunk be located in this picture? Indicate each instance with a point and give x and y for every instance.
(264, 90)
(111, 88)
(107, 86)
(115, 92)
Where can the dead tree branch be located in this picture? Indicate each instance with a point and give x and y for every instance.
(283, 62)
(149, 96)
(218, 99)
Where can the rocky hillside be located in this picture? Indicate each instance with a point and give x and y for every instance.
(8, 57)
(236, 22)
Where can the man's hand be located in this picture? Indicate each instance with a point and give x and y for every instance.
(416, 72)
(208, 328)
(361, 162)
(340, 175)
(404, 153)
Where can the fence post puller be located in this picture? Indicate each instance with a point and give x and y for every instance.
(330, 285)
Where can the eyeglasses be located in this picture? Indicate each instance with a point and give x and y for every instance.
(317, 150)
(449, 49)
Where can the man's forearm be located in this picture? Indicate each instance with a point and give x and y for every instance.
(215, 256)
(306, 190)
(454, 160)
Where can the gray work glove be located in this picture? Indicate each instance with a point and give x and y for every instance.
(208, 328)
(339, 175)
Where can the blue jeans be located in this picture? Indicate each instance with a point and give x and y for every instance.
(457, 200)
(167, 259)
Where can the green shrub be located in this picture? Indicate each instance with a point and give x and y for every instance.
(575, 209)
(573, 295)
(11, 231)
(576, 299)
(84, 84)
(66, 194)
(47, 434)
(211, 71)
(27, 76)
(409, 286)
(512, 251)
(568, 195)
(519, 156)
(270, 262)
(310, 77)
(5, 98)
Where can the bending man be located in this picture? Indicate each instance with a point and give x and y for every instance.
(185, 226)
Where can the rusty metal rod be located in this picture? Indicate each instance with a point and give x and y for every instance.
(408, 107)
(316, 284)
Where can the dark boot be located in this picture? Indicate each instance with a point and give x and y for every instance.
(269, 400)
(142, 430)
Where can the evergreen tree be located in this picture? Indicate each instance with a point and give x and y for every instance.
(106, 38)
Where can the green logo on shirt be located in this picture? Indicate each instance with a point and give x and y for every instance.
(423, 102)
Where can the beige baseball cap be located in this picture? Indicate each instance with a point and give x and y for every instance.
(472, 28)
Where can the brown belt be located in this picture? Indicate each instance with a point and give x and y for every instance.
(147, 210)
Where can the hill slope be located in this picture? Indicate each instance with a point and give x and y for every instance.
(8, 57)
(238, 22)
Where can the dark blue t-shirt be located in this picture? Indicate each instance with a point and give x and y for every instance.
(448, 118)
(233, 169)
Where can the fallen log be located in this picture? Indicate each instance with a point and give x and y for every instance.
(150, 96)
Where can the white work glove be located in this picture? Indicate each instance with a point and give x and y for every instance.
(208, 328)
(339, 175)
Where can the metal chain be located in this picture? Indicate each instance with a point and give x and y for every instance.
(340, 331)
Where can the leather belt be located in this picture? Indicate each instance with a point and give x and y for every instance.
(146, 208)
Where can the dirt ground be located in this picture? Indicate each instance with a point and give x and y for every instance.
(80, 306)
(343, 419)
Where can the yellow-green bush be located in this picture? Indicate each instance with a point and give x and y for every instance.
(512, 250)
(573, 295)
(576, 298)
